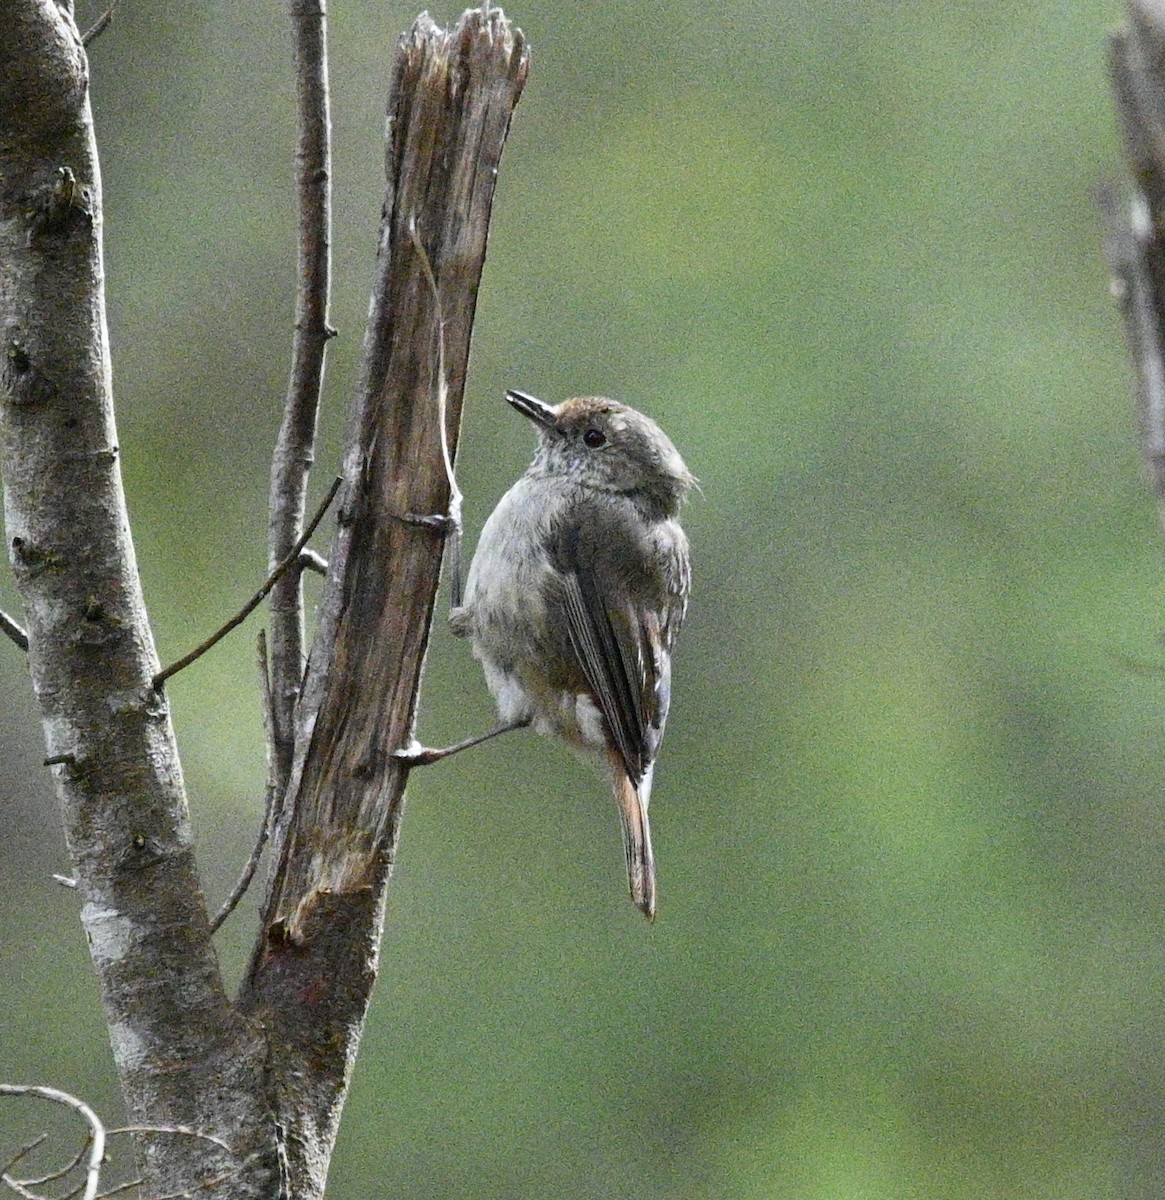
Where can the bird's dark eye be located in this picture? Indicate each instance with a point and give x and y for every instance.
(594, 438)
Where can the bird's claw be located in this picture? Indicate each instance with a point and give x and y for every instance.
(416, 755)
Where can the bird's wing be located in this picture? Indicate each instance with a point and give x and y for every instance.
(623, 597)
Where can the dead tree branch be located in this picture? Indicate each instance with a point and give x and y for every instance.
(1135, 244)
(452, 97)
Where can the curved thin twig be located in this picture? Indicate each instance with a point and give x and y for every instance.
(248, 873)
(96, 1128)
(23, 1152)
(175, 1130)
(452, 523)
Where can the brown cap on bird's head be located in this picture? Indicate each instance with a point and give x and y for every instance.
(607, 445)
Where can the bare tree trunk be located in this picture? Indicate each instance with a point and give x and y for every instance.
(268, 1074)
(177, 1040)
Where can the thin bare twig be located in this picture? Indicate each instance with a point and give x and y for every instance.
(248, 873)
(452, 527)
(186, 1194)
(11, 629)
(121, 1187)
(257, 598)
(99, 26)
(23, 1187)
(20, 1189)
(96, 1129)
(244, 881)
(295, 446)
(175, 1130)
(61, 1172)
(24, 1151)
(309, 560)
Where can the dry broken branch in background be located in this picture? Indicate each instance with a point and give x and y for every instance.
(1135, 242)
(92, 1152)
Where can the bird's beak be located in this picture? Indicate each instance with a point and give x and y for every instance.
(530, 406)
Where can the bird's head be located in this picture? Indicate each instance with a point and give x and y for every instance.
(609, 446)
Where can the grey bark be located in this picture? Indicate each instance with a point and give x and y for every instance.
(176, 1038)
(295, 448)
(267, 1073)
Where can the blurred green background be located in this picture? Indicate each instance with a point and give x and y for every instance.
(909, 810)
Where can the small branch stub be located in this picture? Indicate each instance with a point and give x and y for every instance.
(13, 631)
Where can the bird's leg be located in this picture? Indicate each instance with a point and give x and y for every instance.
(416, 755)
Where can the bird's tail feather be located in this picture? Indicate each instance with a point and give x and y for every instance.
(632, 802)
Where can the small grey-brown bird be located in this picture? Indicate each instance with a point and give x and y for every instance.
(576, 594)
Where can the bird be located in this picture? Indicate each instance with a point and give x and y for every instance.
(576, 594)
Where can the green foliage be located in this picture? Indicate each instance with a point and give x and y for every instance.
(908, 807)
